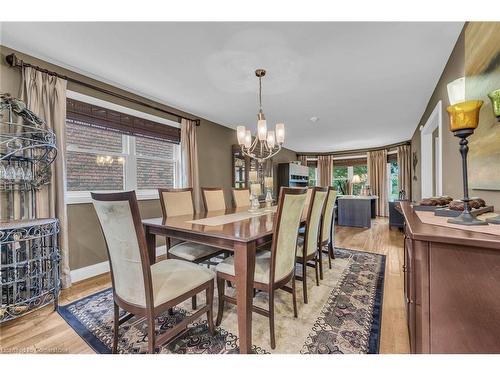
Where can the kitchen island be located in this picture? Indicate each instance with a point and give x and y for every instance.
(356, 210)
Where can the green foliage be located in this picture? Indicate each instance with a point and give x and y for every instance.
(394, 193)
(312, 176)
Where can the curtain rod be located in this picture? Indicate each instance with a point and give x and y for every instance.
(346, 152)
(15, 62)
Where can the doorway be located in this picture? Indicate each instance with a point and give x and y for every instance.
(431, 141)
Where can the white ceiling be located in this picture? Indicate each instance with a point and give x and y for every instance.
(368, 83)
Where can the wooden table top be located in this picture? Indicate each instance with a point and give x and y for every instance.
(244, 230)
(418, 230)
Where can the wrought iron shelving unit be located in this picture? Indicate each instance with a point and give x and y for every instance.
(29, 254)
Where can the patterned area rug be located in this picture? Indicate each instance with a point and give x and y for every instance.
(343, 316)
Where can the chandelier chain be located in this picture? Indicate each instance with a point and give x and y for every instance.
(260, 94)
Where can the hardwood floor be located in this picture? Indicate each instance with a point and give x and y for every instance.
(379, 239)
(44, 331)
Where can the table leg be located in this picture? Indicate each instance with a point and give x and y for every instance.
(244, 263)
(151, 244)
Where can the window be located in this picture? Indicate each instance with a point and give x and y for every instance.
(340, 178)
(94, 158)
(393, 180)
(362, 172)
(105, 158)
(313, 176)
(155, 163)
(343, 174)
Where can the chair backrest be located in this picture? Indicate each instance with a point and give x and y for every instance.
(286, 225)
(175, 202)
(121, 225)
(241, 197)
(213, 198)
(327, 221)
(314, 212)
(308, 196)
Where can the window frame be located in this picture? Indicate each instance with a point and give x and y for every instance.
(128, 152)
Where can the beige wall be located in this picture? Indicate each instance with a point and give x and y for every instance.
(478, 44)
(452, 173)
(86, 244)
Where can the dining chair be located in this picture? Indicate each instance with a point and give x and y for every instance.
(142, 289)
(327, 229)
(302, 229)
(307, 246)
(176, 202)
(241, 197)
(213, 198)
(273, 269)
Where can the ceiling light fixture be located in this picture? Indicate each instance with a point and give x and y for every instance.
(267, 143)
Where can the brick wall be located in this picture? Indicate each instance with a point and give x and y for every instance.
(84, 174)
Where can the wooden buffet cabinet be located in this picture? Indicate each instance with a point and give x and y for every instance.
(452, 288)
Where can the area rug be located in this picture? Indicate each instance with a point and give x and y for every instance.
(343, 315)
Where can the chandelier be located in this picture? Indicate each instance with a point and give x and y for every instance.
(266, 143)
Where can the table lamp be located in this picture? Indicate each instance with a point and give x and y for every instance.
(464, 118)
(356, 179)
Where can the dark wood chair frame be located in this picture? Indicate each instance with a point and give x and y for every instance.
(168, 240)
(305, 259)
(203, 189)
(329, 252)
(272, 285)
(150, 312)
(238, 189)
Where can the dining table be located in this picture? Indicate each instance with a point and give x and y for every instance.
(234, 229)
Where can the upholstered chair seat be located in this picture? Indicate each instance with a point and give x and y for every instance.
(190, 251)
(262, 267)
(172, 278)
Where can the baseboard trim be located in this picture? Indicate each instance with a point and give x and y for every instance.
(89, 271)
(99, 268)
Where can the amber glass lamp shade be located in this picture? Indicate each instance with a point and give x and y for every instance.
(495, 102)
(464, 116)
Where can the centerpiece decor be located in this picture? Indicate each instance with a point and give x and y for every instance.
(255, 191)
(268, 183)
(464, 118)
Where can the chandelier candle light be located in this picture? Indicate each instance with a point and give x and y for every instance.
(267, 143)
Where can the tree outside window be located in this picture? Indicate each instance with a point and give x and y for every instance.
(394, 180)
(340, 178)
(362, 172)
(313, 179)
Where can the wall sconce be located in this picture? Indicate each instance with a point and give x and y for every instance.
(464, 118)
(495, 102)
(456, 91)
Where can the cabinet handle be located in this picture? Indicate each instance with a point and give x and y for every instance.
(404, 268)
(410, 301)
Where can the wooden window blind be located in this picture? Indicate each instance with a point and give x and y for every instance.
(98, 116)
